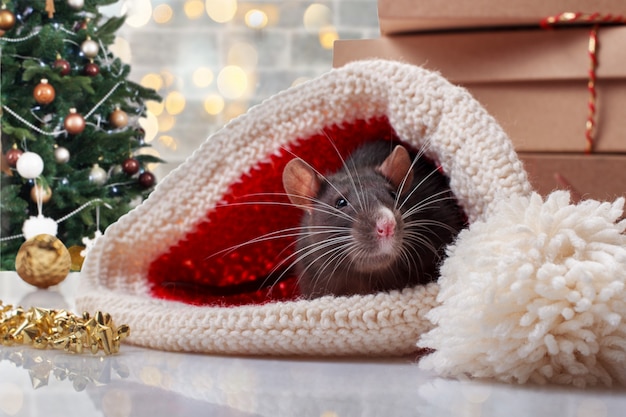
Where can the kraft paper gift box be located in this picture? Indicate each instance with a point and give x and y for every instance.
(533, 81)
(402, 16)
(595, 176)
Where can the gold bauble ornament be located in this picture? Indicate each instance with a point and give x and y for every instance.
(77, 259)
(74, 123)
(43, 192)
(43, 261)
(44, 93)
(7, 19)
(118, 118)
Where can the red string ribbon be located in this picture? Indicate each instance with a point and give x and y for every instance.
(596, 19)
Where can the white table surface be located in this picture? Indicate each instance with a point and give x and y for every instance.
(141, 382)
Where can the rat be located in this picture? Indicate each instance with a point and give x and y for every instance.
(379, 223)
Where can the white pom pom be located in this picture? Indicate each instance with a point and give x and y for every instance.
(29, 165)
(39, 225)
(535, 293)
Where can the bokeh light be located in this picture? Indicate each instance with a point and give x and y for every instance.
(155, 107)
(150, 125)
(153, 81)
(272, 11)
(232, 82)
(221, 11)
(235, 109)
(256, 19)
(243, 54)
(168, 78)
(138, 12)
(121, 49)
(328, 35)
(202, 77)
(166, 122)
(175, 103)
(194, 9)
(214, 104)
(169, 142)
(316, 17)
(162, 13)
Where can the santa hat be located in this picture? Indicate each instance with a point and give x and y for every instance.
(532, 290)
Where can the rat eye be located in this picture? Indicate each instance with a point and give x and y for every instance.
(393, 195)
(341, 202)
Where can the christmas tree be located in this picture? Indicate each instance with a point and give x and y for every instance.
(70, 132)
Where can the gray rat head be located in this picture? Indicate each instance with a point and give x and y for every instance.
(358, 202)
(360, 229)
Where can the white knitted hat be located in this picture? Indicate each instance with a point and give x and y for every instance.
(175, 268)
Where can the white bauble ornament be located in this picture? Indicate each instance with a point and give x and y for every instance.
(90, 48)
(97, 175)
(29, 165)
(61, 155)
(76, 4)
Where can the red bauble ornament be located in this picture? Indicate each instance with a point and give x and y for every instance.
(63, 65)
(130, 166)
(74, 123)
(81, 25)
(44, 93)
(12, 156)
(140, 135)
(147, 179)
(91, 69)
(118, 118)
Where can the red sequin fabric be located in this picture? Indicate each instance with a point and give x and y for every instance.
(240, 253)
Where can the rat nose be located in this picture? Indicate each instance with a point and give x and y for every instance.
(385, 224)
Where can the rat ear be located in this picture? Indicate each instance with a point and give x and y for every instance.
(301, 183)
(397, 167)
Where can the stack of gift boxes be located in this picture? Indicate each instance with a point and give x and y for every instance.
(552, 73)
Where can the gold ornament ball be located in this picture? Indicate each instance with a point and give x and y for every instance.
(7, 19)
(74, 123)
(118, 118)
(77, 258)
(43, 261)
(44, 93)
(45, 193)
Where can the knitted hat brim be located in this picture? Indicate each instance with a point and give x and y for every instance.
(421, 109)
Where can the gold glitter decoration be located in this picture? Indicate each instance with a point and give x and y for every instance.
(59, 329)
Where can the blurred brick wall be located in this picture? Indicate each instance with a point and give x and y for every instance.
(177, 37)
